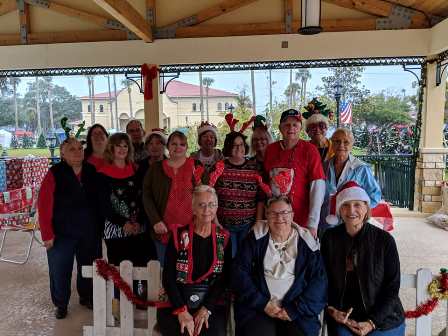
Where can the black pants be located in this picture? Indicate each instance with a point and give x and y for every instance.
(60, 265)
(263, 325)
(138, 249)
(169, 324)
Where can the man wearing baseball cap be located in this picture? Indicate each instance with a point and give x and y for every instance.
(302, 162)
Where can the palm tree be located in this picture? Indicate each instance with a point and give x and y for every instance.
(49, 83)
(207, 81)
(14, 81)
(128, 84)
(252, 80)
(291, 93)
(91, 83)
(39, 124)
(303, 75)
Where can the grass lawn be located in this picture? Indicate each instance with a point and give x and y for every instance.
(20, 152)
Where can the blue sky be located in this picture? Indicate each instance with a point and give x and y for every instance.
(375, 78)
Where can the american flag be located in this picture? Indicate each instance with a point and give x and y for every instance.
(346, 112)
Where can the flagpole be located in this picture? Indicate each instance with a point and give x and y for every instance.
(337, 97)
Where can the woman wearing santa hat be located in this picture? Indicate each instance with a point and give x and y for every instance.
(363, 270)
(207, 154)
(316, 127)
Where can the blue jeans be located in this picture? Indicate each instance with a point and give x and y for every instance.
(237, 236)
(398, 331)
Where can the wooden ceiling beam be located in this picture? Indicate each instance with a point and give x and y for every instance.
(151, 12)
(24, 20)
(224, 7)
(127, 15)
(269, 28)
(7, 6)
(378, 8)
(77, 13)
(66, 37)
(289, 15)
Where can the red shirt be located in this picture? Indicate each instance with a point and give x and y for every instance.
(110, 169)
(98, 162)
(304, 158)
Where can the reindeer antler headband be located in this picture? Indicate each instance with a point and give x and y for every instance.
(232, 122)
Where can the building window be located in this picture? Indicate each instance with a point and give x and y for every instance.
(89, 108)
(219, 106)
(194, 107)
(226, 106)
(101, 108)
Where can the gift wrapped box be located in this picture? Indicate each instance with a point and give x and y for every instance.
(18, 200)
(34, 170)
(14, 173)
(2, 175)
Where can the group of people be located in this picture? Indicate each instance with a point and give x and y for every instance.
(240, 225)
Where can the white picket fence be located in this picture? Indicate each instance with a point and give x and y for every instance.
(104, 322)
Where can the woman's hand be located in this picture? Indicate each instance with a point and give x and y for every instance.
(272, 309)
(201, 318)
(186, 321)
(338, 315)
(160, 228)
(49, 243)
(129, 228)
(283, 315)
(361, 328)
(137, 227)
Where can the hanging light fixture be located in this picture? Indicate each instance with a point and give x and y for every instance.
(310, 20)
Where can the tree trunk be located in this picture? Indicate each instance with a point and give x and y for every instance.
(50, 104)
(110, 103)
(39, 125)
(206, 94)
(130, 101)
(201, 92)
(117, 123)
(290, 88)
(268, 117)
(93, 101)
(16, 108)
(252, 79)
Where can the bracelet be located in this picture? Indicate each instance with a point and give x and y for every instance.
(180, 310)
(372, 324)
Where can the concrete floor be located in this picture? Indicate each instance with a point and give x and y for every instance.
(26, 309)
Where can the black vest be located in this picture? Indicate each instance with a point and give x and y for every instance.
(75, 208)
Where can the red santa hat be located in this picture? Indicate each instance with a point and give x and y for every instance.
(350, 191)
(205, 126)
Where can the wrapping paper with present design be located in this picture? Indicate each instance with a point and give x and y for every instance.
(34, 171)
(2, 175)
(14, 173)
(19, 200)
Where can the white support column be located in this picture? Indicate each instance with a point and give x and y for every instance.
(431, 161)
(152, 111)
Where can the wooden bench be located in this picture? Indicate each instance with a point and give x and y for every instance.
(104, 322)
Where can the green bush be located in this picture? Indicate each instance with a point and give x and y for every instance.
(27, 142)
(41, 143)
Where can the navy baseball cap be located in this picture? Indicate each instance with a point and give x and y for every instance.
(290, 113)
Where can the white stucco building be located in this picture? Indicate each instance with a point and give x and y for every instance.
(179, 106)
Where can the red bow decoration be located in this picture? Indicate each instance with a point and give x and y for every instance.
(231, 121)
(283, 181)
(216, 173)
(198, 172)
(266, 188)
(148, 74)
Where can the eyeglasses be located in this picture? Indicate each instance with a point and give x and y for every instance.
(273, 214)
(204, 206)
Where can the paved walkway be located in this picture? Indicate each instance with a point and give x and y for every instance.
(26, 310)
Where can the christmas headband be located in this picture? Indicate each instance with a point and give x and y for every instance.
(69, 132)
(231, 121)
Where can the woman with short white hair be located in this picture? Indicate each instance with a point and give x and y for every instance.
(279, 277)
(195, 273)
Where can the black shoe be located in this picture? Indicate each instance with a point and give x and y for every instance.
(88, 303)
(61, 312)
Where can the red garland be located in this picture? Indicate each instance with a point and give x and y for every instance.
(149, 74)
(423, 309)
(109, 272)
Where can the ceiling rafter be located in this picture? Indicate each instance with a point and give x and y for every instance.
(151, 12)
(380, 8)
(24, 20)
(206, 14)
(7, 6)
(288, 15)
(127, 15)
